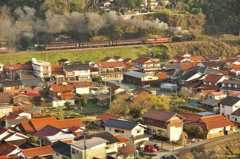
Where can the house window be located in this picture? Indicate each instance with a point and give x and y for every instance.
(150, 120)
(119, 131)
(138, 131)
(235, 119)
(109, 129)
(8, 88)
(57, 154)
(73, 151)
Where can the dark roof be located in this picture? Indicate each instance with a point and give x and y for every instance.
(120, 124)
(33, 82)
(229, 101)
(47, 131)
(11, 83)
(159, 115)
(62, 148)
(210, 101)
(17, 121)
(77, 67)
(176, 72)
(213, 56)
(188, 75)
(236, 112)
(211, 63)
(172, 66)
(231, 81)
(140, 90)
(105, 135)
(63, 60)
(34, 110)
(205, 70)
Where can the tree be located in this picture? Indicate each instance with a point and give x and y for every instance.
(25, 42)
(67, 105)
(83, 101)
(97, 79)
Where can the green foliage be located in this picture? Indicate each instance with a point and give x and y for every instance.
(83, 101)
(25, 42)
(97, 79)
(191, 109)
(67, 105)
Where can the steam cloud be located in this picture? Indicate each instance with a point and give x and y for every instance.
(27, 24)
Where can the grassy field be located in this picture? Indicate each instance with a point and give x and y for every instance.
(160, 51)
(94, 54)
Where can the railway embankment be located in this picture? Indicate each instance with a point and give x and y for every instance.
(224, 148)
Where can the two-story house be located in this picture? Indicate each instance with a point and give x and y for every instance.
(139, 78)
(147, 65)
(112, 144)
(111, 69)
(165, 124)
(42, 69)
(132, 131)
(61, 93)
(180, 57)
(214, 125)
(230, 85)
(229, 105)
(12, 86)
(212, 81)
(217, 95)
(77, 71)
(89, 148)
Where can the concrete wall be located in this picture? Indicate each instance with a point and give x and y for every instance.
(217, 149)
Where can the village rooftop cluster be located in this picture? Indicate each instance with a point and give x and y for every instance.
(214, 80)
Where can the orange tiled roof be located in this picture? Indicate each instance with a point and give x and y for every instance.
(57, 67)
(206, 92)
(217, 121)
(42, 122)
(71, 122)
(68, 95)
(187, 65)
(235, 67)
(141, 60)
(28, 127)
(39, 151)
(110, 64)
(234, 94)
(120, 138)
(191, 116)
(104, 117)
(229, 60)
(61, 88)
(162, 76)
(197, 58)
(218, 93)
(32, 93)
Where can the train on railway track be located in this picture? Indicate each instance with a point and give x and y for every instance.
(116, 43)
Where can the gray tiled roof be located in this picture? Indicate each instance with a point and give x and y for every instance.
(136, 74)
(210, 101)
(11, 83)
(62, 148)
(34, 110)
(122, 124)
(77, 67)
(89, 142)
(32, 82)
(105, 135)
(229, 101)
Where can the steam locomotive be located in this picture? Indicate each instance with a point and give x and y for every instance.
(116, 43)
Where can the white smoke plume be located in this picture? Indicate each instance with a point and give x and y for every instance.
(28, 24)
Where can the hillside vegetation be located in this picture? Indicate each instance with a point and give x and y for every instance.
(160, 51)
